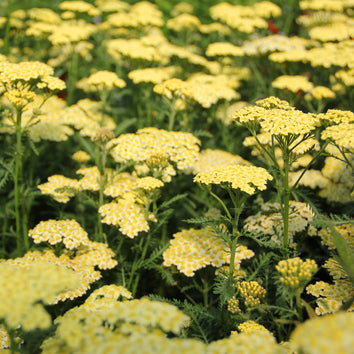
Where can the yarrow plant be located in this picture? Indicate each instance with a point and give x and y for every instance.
(176, 177)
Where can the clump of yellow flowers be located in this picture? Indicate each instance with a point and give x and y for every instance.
(296, 273)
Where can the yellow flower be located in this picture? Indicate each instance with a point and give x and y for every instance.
(252, 293)
(183, 21)
(295, 273)
(101, 80)
(245, 178)
(293, 83)
(152, 75)
(191, 250)
(23, 290)
(149, 183)
(79, 6)
(325, 334)
(223, 49)
(178, 147)
(268, 220)
(69, 232)
(250, 326)
(210, 159)
(81, 156)
(277, 121)
(341, 135)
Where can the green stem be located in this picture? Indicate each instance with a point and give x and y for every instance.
(258, 77)
(101, 160)
(6, 45)
(290, 17)
(172, 116)
(238, 200)
(22, 247)
(285, 200)
(134, 279)
(73, 75)
(316, 156)
(299, 307)
(205, 293)
(222, 204)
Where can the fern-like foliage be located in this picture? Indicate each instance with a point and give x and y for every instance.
(6, 172)
(203, 321)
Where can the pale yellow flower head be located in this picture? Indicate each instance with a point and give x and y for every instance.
(245, 178)
(277, 121)
(293, 83)
(101, 80)
(79, 6)
(325, 334)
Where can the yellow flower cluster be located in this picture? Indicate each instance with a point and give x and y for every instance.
(251, 342)
(71, 32)
(149, 183)
(268, 220)
(24, 290)
(293, 83)
(43, 15)
(81, 156)
(192, 249)
(233, 305)
(250, 326)
(4, 338)
(319, 93)
(42, 124)
(182, 149)
(106, 296)
(125, 213)
(332, 296)
(83, 264)
(134, 49)
(120, 326)
(210, 159)
(277, 121)
(330, 54)
(203, 89)
(345, 230)
(79, 6)
(223, 49)
(152, 75)
(337, 31)
(245, 18)
(133, 193)
(245, 178)
(100, 81)
(120, 183)
(341, 135)
(87, 117)
(183, 21)
(252, 292)
(340, 180)
(59, 187)
(295, 273)
(325, 335)
(326, 5)
(182, 7)
(141, 14)
(274, 43)
(346, 76)
(69, 232)
(18, 81)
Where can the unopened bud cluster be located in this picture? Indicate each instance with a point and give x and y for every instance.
(252, 292)
(295, 273)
